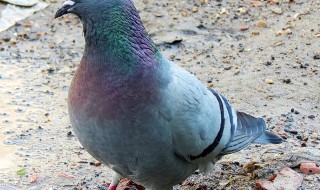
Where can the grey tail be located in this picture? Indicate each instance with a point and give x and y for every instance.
(249, 130)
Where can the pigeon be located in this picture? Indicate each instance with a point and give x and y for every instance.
(140, 114)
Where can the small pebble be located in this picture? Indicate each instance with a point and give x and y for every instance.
(291, 131)
(295, 16)
(304, 65)
(303, 144)
(51, 46)
(97, 163)
(243, 10)
(243, 28)
(262, 24)
(287, 81)
(309, 168)
(228, 68)
(195, 9)
(27, 25)
(13, 42)
(277, 10)
(75, 22)
(315, 135)
(224, 11)
(160, 15)
(279, 33)
(288, 31)
(274, 2)
(268, 63)
(67, 20)
(255, 32)
(268, 81)
(311, 117)
(256, 3)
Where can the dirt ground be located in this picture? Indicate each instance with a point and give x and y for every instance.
(263, 56)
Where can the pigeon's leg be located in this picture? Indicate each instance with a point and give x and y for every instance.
(116, 178)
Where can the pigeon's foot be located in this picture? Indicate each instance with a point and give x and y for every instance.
(116, 178)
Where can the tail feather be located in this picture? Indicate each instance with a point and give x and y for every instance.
(250, 130)
(268, 137)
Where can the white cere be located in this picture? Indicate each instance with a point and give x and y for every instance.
(68, 2)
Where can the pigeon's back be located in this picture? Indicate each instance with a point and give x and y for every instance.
(200, 121)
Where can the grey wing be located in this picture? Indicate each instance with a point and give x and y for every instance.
(200, 120)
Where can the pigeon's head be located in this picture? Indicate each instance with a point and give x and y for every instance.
(85, 8)
(69, 6)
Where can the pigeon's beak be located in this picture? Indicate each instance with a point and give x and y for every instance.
(66, 8)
